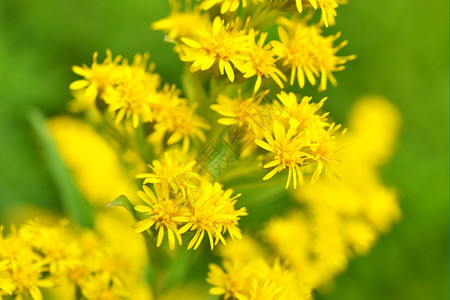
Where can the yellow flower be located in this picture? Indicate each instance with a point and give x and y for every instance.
(255, 279)
(98, 76)
(261, 61)
(175, 24)
(246, 113)
(133, 95)
(328, 8)
(213, 212)
(227, 5)
(326, 148)
(172, 173)
(98, 287)
(286, 149)
(22, 270)
(89, 157)
(221, 44)
(161, 212)
(304, 112)
(181, 124)
(308, 54)
(52, 242)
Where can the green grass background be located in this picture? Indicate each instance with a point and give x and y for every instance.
(402, 49)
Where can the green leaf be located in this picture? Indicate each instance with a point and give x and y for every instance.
(125, 202)
(72, 201)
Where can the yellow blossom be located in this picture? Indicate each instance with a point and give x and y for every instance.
(134, 93)
(286, 149)
(98, 77)
(172, 173)
(213, 212)
(261, 61)
(162, 212)
(175, 24)
(326, 148)
(304, 112)
(308, 54)
(328, 8)
(89, 156)
(245, 112)
(255, 279)
(227, 5)
(217, 44)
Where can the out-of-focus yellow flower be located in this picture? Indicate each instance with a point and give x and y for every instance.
(182, 124)
(41, 256)
(255, 279)
(175, 24)
(89, 157)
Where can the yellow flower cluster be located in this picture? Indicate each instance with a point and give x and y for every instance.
(248, 275)
(185, 201)
(342, 217)
(133, 92)
(239, 48)
(299, 136)
(270, 125)
(37, 256)
(338, 219)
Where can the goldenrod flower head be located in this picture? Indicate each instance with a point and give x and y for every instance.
(98, 287)
(175, 24)
(307, 53)
(261, 61)
(327, 7)
(98, 76)
(304, 112)
(219, 43)
(29, 261)
(163, 212)
(183, 124)
(255, 279)
(165, 101)
(208, 209)
(173, 173)
(286, 151)
(52, 242)
(325, 147)
(243, 112)
(227, 5)
(213, 212)
(133, 95)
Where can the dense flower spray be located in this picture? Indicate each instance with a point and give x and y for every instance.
(193, 164)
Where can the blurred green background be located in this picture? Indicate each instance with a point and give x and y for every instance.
(402, 49)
